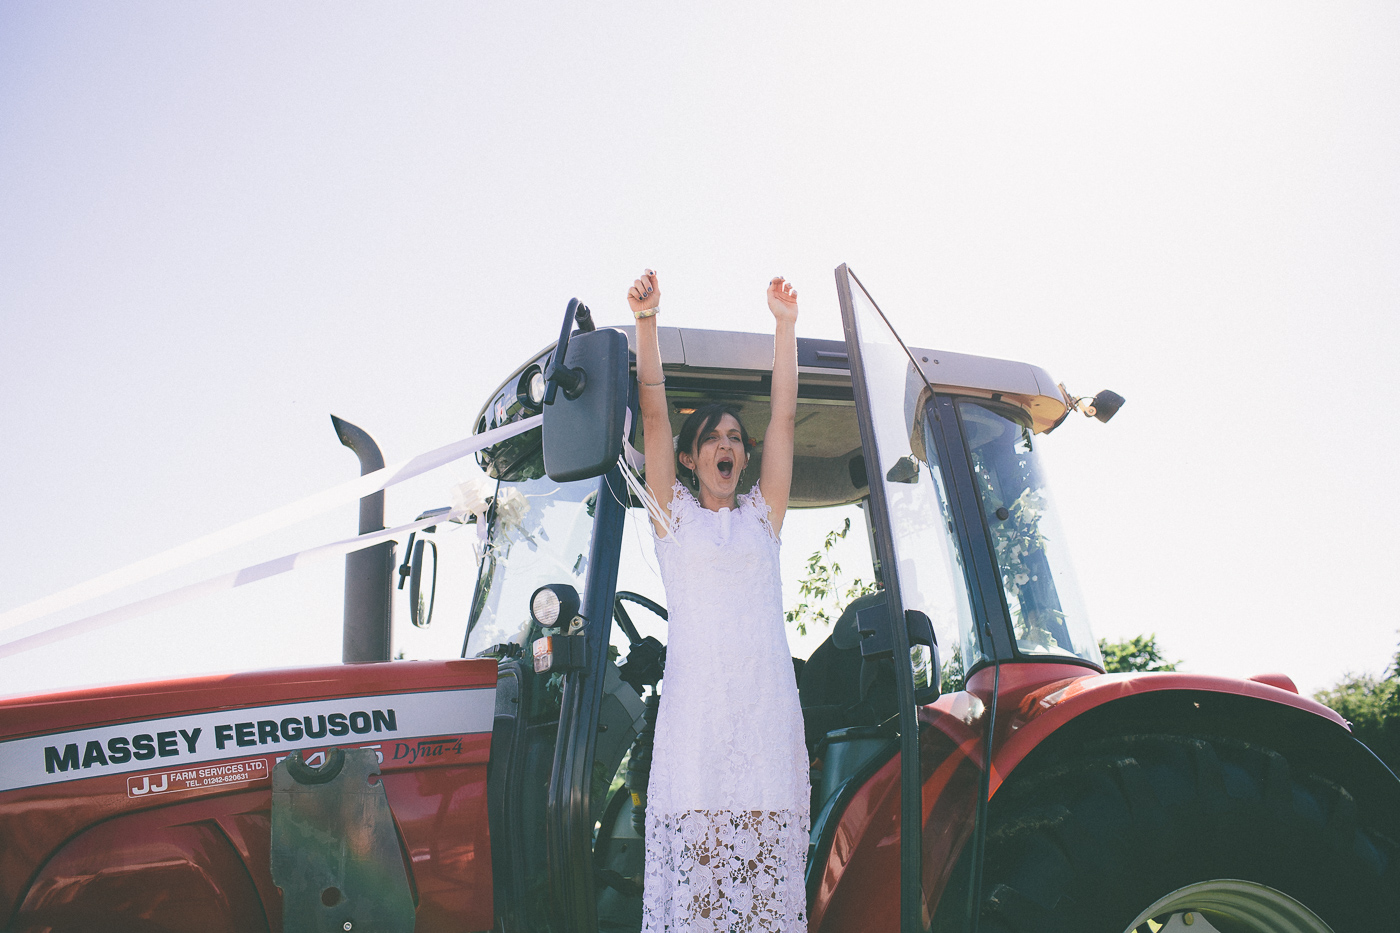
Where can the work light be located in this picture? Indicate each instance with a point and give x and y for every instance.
(554, 604)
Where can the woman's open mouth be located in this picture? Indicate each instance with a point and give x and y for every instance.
(725, 467)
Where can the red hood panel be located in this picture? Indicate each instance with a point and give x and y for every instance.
(146, 760)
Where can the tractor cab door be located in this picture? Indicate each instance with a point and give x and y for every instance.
(914, 549)
(555, 521)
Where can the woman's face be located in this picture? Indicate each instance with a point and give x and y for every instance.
(719, 458)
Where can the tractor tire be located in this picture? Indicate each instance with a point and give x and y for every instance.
(1160, 827)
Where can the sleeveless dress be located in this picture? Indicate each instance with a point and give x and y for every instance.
(727, 801)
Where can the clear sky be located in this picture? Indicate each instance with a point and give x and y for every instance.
(221, 222)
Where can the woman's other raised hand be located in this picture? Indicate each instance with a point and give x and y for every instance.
(644, 298)
(645, 294)
(782, 299)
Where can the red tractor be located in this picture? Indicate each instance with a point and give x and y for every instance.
(507, 791)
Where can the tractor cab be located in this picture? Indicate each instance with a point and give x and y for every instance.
(931, 454)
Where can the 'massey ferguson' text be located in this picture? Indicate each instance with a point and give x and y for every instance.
(178, 742)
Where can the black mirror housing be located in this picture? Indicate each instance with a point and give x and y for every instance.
(921, 633)
(1106, 405)
(905, 470)
(877, 644)
(582, 436)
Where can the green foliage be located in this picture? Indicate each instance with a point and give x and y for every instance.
(822, 592)
(954, 676)
(1136, 654)
(1019, 538)
(1372, 706)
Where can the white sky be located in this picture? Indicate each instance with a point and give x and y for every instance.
(221, 222)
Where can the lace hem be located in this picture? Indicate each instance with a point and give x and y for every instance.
(726, 871)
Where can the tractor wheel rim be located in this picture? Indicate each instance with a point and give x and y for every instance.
(1228, 904)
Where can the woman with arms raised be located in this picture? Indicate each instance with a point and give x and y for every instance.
(727, 800)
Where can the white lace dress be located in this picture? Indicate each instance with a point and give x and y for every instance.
(727, 821)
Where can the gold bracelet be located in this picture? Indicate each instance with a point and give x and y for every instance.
(648, 312)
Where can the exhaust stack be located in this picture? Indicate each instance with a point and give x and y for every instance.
(368, 572)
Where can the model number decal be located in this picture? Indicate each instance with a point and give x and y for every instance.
(434, 749)
(182, 741)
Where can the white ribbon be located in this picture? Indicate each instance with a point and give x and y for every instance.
(631, 462)
(639, 489)
(38, 634)
(268, 522)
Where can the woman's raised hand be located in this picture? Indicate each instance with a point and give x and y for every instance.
(782, 299)
(644, 294)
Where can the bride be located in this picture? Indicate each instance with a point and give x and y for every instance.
(727, 820)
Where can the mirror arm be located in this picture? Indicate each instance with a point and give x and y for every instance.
(572, 378)
(584, 318)
(407, 559)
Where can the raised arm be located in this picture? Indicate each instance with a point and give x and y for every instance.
(644, 298)
(775, 479)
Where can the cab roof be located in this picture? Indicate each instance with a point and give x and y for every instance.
(735, 367)
(692, 350)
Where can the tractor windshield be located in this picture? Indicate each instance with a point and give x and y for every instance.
(1042, 597)
(540, 533)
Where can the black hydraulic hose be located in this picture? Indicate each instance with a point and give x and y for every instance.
(979, 833)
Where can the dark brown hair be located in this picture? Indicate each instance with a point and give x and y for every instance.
(697, 426)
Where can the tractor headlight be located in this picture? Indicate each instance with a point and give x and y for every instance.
(554, 604)
(530, 388)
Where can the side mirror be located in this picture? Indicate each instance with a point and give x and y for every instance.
(877, 644)
(1106, 405)
(921, 634)
(419, 610)
(582, 431)
(905, 470)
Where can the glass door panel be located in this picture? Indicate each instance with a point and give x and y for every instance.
(925, 560)
(913, 551)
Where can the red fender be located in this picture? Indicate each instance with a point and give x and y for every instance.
(859, 885)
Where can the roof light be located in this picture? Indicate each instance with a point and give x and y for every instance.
(530, 388)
